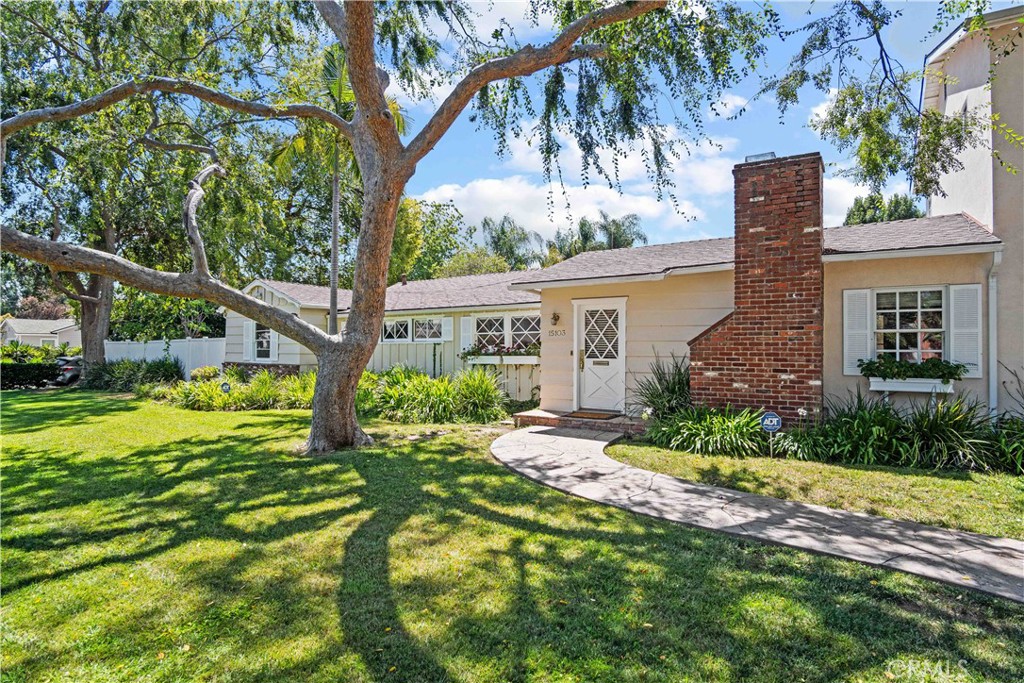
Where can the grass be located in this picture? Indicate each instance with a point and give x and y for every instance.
(146, 543)
(983, 503)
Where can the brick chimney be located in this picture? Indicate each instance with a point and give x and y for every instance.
(767, 353)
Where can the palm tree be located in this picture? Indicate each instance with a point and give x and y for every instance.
(310, 142)
(512, 242)
(621, 232)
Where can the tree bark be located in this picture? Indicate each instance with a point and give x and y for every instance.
(96, 310)
(334, 423)
(332, 315)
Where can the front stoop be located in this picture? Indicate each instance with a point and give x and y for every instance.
(622, 424)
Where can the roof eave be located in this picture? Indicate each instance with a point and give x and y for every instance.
(918, 252)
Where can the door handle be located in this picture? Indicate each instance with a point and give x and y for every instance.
(581, 360)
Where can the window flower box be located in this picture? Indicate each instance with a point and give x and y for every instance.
(504, 360)
(911, 385)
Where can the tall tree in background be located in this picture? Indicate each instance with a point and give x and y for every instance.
(619, 233)
(330, 148)
(874, 209)
(472, 261)
(519, 247)
(621, 59)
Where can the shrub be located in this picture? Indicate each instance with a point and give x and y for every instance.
(419, 399)
(367, 392)
(206, 395)
(205, 373)
(263, 391)
(479, 395)
(666, 390)
(297, 390)
(236, 375)
(27, 375)
(1008, 444)
(708, 431)
(125, 374)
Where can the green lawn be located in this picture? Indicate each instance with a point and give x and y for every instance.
(146, 543)
(984, 503)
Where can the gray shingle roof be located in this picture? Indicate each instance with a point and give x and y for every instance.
(915, 233)
(30, 326)
(469, 291)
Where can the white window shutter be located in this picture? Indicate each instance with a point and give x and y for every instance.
(965, 324)
(446, 329)
(274, 337)
(467, 332)
(856, 329)
(248, 338)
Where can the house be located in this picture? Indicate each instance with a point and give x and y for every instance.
(957, 81)
(777, 317)
(41, 332)
(429, 324)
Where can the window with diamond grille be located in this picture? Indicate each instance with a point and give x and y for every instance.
(427, 329)
(601, 334)
(525, 330)
(490, 331)
(395, 330)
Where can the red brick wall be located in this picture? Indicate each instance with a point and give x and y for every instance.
(768, 352)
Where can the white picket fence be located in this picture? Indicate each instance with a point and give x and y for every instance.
(193, 353)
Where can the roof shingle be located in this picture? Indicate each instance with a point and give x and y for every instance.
(915, 233)
(468, 291)
(32, 326)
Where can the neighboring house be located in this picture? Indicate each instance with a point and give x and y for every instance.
(776, 318)
(41, 332)
(957, 81)
(428, 324)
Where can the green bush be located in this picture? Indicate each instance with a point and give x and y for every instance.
(401, 394)
(888, 367)
(666, 390)
(205, 373)
(125, 374)
(236, 375)
(479, 395)
(27, 375)
(709, 431)
(297, 390)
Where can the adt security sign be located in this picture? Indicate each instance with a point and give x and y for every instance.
(771, 422)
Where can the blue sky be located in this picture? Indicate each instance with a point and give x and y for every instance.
(465, 167)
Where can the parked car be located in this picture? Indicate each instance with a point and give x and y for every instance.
(70, 370)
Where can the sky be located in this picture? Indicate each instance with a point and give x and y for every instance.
(465, 167)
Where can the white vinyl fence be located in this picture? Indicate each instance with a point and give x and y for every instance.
(193, 353)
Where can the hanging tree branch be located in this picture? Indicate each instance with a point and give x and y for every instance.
(200, 265)
(523, 62)
(122, 92)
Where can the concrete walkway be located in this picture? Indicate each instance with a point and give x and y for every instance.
(574, 461)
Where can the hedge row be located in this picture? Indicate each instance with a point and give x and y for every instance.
(27, 375)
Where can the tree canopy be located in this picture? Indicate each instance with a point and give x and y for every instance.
(874, 208)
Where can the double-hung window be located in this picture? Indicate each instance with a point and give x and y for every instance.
(261, 339)
(490, 331)
(910, 324)
(525, 331)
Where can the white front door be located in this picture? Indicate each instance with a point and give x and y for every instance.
(601, 346)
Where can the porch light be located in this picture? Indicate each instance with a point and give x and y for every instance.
(554, 319)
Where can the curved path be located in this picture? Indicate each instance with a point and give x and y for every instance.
(573, 460)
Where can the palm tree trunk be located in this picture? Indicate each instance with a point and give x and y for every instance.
(332, 317)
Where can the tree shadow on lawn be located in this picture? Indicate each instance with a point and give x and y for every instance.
(37, 410)
(427, 561)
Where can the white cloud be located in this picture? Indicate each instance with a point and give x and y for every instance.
(819, 110)
(529, 203)
(839, 195)
(729, 104)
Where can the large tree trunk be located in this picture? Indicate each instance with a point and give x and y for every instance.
(96, 311)
(341, 363)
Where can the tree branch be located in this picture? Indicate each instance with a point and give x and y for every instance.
(200, 265)
(121, 92)
(524, 62)
(368, 80)
(334, 15)
(148, 141)
(66, 256)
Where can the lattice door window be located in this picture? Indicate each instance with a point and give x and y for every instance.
(601, 334)
(490, 332)
(525, 330)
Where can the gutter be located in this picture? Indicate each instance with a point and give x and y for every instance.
(914, 253)
(993, 334)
